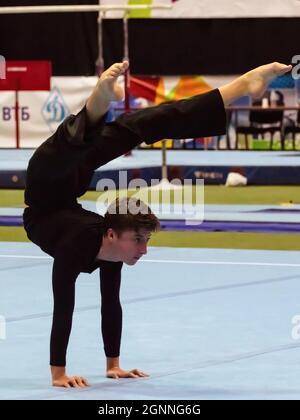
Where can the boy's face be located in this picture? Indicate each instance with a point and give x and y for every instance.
(130, 245)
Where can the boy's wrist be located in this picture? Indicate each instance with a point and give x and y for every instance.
(112, 362)
(57, 371)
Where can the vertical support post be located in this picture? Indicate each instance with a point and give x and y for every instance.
(100, 59)
(17, 114)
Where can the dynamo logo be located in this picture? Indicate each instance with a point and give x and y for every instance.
(54, 110)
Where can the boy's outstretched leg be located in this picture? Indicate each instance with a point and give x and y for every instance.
(201, 115)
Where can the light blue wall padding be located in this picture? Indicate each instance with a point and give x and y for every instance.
(18, 159)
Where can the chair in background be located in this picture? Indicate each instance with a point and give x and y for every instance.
(262, 122)
(293, 129)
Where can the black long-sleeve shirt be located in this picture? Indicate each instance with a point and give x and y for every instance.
(61, 170)
(73, 256)
(73, 237)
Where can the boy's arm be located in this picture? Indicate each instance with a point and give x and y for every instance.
(64, 275)
(111, 312)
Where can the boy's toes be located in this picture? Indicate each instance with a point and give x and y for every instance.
(118, 68)
(123, 66)
(280, 68)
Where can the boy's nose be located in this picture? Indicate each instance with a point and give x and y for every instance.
(144, 249)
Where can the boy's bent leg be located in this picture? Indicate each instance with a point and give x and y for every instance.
(77, 135)
(65, 149)
(106, 90)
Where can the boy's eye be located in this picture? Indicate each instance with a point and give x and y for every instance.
(139, 240)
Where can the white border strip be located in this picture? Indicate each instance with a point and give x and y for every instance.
(176, 261)
(26, 256)
(79, 8)
(223, 263)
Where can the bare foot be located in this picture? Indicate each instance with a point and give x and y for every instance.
(257, 80)
(107, 83)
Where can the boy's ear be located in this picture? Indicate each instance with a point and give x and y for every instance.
(111, 233)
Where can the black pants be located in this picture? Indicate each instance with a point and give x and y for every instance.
(61, 169)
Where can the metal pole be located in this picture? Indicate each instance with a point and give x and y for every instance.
(126, 57)
(100, 59)
(78, 8)
(164, 168)
(127, 73)
(17, 116)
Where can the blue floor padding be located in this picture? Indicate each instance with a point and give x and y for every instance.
(205, 324)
